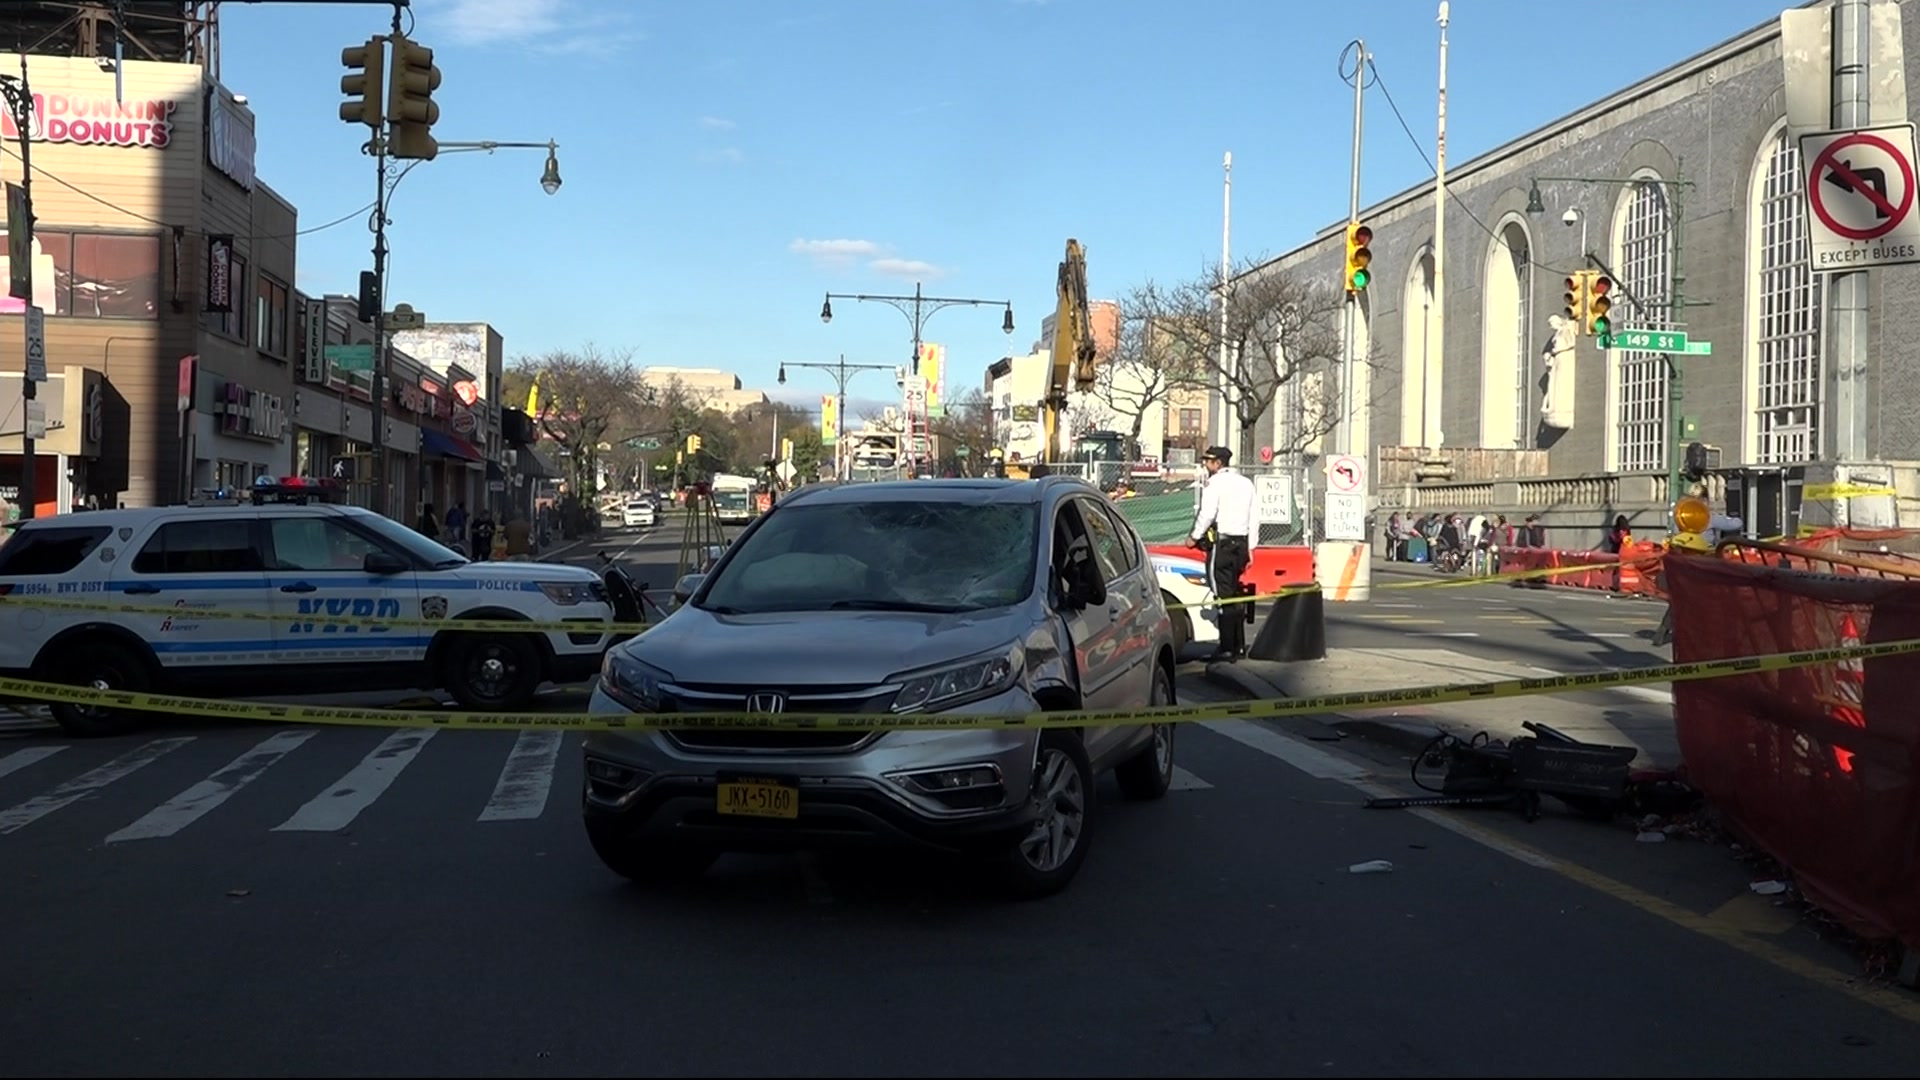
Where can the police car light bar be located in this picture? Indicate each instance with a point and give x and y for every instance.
(297, 490)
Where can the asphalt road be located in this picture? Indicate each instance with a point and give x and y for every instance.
(1559, 628)
(351, 902)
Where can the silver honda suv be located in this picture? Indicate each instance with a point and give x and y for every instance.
(991, 597)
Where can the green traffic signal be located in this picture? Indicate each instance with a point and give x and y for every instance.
(1602, 326)
(1360, 279)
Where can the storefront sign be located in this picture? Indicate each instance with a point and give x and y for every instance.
(314, 363)
(412, 398)
(462, 420)
(220, 274)
(97, 121)
(255, 414)
(230, 143)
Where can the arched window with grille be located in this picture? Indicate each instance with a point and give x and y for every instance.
(1643, 259)
(1783, 312)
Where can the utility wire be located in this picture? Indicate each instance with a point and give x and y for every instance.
(1422, 150)
(84, 193)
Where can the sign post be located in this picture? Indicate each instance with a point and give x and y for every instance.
(1860, 191)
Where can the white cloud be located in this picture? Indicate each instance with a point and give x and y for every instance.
(717, 123)
(835, 252)
(559, 27)
(905, 268)
(843, 253)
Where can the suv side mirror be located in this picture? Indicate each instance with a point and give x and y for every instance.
(382, 562)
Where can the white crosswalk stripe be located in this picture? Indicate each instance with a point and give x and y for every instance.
(522, 789)
(87, 783)
(521, 793)
(335, 808)
(197, 801)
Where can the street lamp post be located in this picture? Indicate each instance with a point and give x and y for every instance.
(1676, 300)
(918, 308)
(388, 182)
(842, 372)
(19, 101)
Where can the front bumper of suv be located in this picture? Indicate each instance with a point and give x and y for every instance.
(958, 790)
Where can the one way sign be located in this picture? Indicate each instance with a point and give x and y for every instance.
(1860, 194)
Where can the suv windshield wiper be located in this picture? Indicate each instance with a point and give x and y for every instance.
(893, 605)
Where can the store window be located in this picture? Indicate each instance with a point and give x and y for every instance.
(270, 317)
(95, 275)
(234, 323)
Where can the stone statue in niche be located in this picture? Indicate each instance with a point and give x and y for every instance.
(1556, 402)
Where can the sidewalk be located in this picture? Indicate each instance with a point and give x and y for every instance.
(1598, 716)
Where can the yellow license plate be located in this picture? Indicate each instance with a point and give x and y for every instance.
(759, 798)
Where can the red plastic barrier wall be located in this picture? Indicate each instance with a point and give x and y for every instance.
(1813, 765)
(1269, 569)
(1600, 569)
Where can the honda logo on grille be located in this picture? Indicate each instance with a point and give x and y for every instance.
(766, 703)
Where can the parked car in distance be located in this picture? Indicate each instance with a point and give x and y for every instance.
(996, 597)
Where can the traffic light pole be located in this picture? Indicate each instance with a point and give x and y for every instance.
(1676, 300)
(1349, 331)
(19, 101)
(382, 189)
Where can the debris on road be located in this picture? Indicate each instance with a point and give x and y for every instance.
(1372, 866)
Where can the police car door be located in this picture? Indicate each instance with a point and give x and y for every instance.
(320, 585)
(201, 558)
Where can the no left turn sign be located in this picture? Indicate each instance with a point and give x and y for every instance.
(1860, 191)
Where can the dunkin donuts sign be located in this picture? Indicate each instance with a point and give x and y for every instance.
(97, 121)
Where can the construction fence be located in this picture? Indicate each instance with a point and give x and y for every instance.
(1813, 765)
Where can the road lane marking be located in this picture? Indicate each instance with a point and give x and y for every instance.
(1891, 1000)
(21, 759)
(1186, 781)
(1443, 633)
(527, 778)
(1314, 762)
(335, 808)
(206, 796)
(88, 783)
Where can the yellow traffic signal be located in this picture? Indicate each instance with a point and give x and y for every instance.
(410, 104)
(1359, 256)
(693, 444)
(786, 449)
(1598, 324)
(1575, 311)
(362, 84)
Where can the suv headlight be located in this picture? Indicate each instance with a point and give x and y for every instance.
(953, 684)
(630, 682)
(567, 593)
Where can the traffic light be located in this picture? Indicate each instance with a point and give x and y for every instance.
(410, 104)
(693, 444)
(1359, 255)
(367, 66)
(1598, 324)
(1575, 311)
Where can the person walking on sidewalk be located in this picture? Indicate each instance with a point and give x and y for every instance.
(1226, 516)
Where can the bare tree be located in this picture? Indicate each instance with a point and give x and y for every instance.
(1281, 342)
(1147, 365)
(583, 395)
(968, 422)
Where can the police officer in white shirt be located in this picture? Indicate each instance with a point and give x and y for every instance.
(1223, 529)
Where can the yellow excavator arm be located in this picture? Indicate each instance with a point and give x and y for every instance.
(1075, 357)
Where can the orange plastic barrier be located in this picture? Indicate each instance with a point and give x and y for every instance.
(1635, 575)
(1813, 765)
(1269, 569)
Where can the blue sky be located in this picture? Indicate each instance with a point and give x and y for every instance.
(728, 162)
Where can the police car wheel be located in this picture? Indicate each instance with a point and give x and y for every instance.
(104, 665)
(493, 671)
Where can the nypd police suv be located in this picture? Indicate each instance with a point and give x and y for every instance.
(302, 569)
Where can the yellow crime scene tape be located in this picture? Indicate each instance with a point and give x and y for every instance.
(1261, 709)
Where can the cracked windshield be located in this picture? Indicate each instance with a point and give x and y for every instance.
(565, 538)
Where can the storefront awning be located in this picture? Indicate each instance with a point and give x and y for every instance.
(530, 464)
(435, 442)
